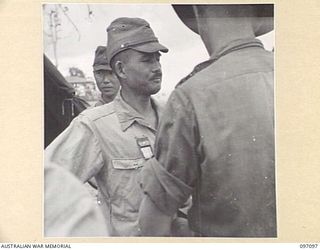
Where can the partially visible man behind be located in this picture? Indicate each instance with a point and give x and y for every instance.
(68, 208)
(216, 138)
(106, 80)
(113, 141)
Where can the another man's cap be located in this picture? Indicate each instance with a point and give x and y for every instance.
(261, 25)
(131, 33)
(100, 59)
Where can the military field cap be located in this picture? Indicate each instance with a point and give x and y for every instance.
(100, 59)
(131, 33)
(261, 25)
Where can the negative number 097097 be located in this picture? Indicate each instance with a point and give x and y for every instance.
(308, 245)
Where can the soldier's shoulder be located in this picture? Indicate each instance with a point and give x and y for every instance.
(98, 112)
(197, 75)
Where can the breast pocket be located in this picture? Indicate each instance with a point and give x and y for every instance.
(126, 195)
(123, 177)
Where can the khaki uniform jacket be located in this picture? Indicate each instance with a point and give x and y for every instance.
(102, 143)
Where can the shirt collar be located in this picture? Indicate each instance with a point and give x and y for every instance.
(236, 45)
(127, 115)
(230, 47)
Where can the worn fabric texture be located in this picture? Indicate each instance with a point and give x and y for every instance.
(216, 142)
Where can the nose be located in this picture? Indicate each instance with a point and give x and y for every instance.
(106, 79)
(156, 67)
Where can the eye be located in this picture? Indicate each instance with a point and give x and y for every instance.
(151, 59)
(157, 56)
(146, 59)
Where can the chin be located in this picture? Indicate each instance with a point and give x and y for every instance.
(155, 91)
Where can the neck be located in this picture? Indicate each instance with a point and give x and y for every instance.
(216, 33)
(106, 99)
(140, 103)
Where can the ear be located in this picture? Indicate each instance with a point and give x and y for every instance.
(120, 70)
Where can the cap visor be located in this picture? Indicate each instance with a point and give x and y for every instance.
(101, 67)
(150, 47)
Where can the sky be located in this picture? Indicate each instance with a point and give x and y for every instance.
(80, 33)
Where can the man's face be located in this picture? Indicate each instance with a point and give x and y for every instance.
(107, 82)
(143, 72)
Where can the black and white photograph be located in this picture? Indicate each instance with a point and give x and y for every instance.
(159, 120)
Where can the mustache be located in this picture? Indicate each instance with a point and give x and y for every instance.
(156, 76)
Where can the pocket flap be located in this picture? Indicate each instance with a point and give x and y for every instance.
(128, 163)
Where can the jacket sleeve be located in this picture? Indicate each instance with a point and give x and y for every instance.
(76, 149)
(169, 178)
